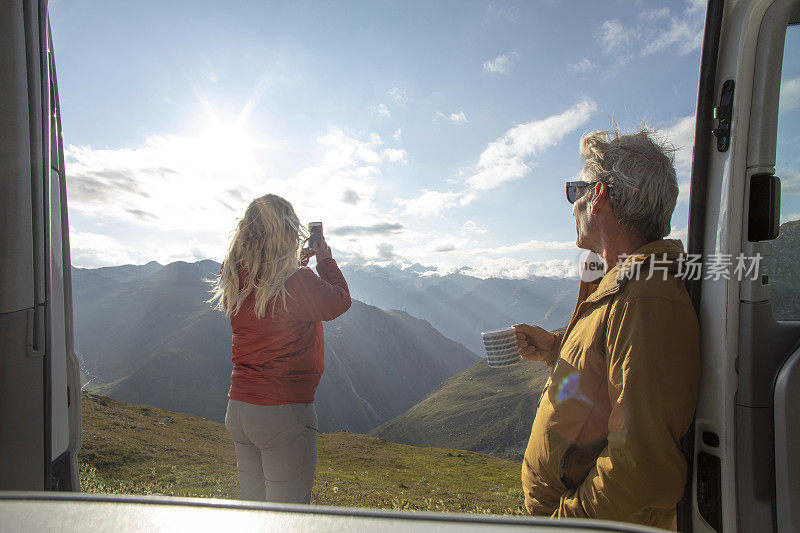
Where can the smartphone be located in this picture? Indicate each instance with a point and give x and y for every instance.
(314, 233)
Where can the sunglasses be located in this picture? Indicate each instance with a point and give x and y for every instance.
(572, 189)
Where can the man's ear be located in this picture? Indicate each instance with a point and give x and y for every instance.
(600, 196)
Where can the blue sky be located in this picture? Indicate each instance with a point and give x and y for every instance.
(432, 132)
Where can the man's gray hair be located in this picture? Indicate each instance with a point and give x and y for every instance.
(639, 170)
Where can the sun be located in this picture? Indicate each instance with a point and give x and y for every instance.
(229, 139)
(224, 140)
(225, 144)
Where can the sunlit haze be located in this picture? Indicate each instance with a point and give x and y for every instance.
(432, 132)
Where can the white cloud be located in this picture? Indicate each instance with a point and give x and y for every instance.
(429, 203)
(684, 187)
(382, 111)
(679, 233)
(92, 250)
(583, 66)
(167, 180)
(446, 245)
(505, 267)
(397, 94)
(681, 136)
(789, 217)
(467, 249)
(186, 193)
(529, 246)
(344, 151)
(470, 227)
(790, 180)
(385, 251)
(696, 7)
(384, 228)
(194, 200)
(790, 95)
(179, 197)
(653, 31)
(505, 159)
(613, 37)
(349, 161)
(683, 35)
(500, 64)
(394, 155)
(655, 14)
(398, 133)
(456, 118)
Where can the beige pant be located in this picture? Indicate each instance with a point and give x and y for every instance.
(276, 450)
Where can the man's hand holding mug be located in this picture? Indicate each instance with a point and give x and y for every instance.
(534, 342)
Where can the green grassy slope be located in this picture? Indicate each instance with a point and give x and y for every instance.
(133, 449)
(488, 410)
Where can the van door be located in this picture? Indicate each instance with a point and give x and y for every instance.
(39, 374)
(745, 475)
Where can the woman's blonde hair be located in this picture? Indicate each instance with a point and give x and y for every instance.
(266, 249)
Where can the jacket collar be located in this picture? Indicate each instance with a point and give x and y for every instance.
(616, 278)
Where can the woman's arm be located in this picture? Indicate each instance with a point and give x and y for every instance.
(323, 297)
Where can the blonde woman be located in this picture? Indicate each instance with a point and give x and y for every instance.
(276, 307)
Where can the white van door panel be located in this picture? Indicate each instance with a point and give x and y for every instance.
(743, 346)
(714, 468)
(39, 375)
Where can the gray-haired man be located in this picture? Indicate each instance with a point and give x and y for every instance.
(605, 442)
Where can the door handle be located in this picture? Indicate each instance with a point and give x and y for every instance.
(36, 330)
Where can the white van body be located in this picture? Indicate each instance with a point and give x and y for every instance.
(743, 451)
(745, 351)
(39, 374)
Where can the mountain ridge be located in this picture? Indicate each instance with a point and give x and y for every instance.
(461, 306)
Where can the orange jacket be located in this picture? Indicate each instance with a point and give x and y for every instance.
(605, 442)
(279, 359)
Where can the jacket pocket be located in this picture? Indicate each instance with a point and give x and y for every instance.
(544, 391)
(578, 461)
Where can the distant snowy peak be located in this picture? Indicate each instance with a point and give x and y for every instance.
(419, 269)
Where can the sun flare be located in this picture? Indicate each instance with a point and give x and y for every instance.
(225, 144)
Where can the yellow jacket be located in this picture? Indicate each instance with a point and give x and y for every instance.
(605, 441)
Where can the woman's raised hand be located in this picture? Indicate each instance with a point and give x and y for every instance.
(321, 250)
(305, 255)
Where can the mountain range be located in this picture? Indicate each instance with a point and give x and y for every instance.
(462, 306)
(145, 334)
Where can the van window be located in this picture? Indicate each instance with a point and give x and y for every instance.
(784, 276)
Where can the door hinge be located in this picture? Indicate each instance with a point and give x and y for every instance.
(723, 114)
